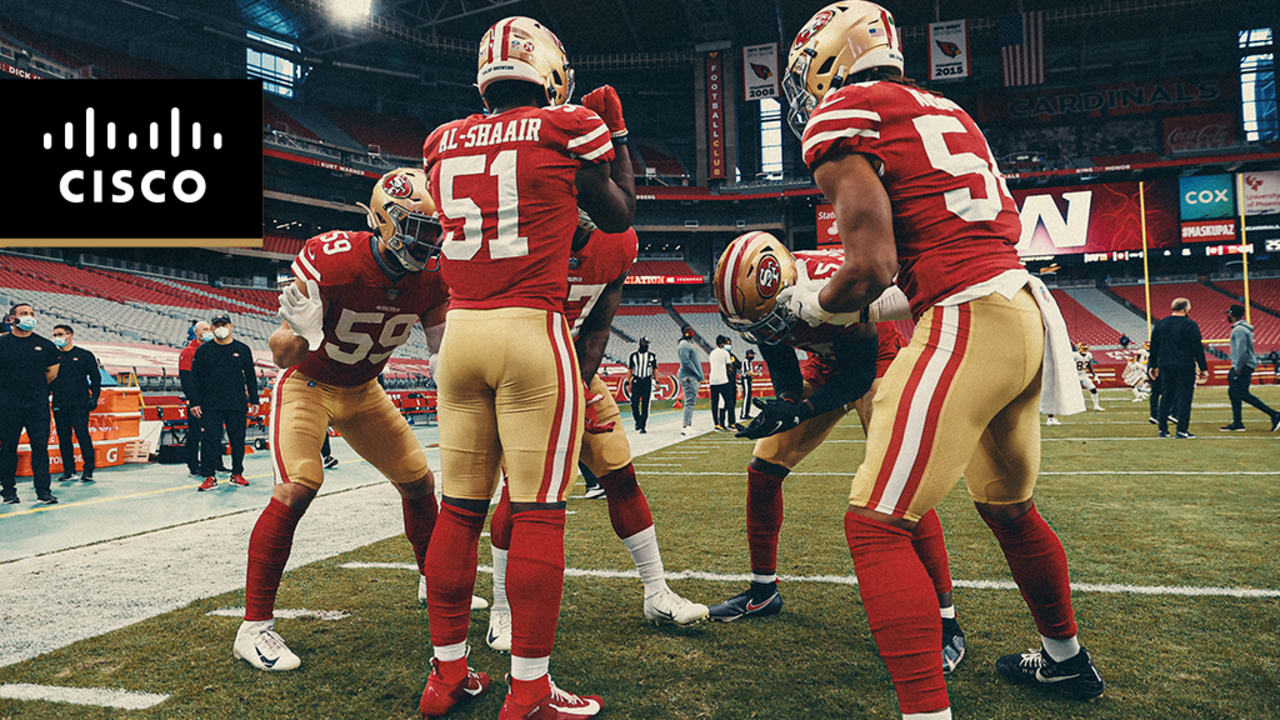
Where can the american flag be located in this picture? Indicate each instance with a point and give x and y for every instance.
(1021, 39)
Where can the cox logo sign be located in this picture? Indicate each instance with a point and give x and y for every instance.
(1206, 196)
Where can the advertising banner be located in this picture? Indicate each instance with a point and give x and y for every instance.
(1202, 231)
(1112, 99)
(1199, 132)
(828, 233)
(715, 116)
(1207, 196)
(949, 50)
(1095, 218)
(760, 72)
(1262, 192)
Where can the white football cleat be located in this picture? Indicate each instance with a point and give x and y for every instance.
(667, 606)
(499, 635)
(258, 644)
(477, 602)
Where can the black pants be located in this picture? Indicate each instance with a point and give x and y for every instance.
(746, 398)
(326, 450)
(214, 420)
(1179, 386)
(1238, 391)
(1157, 390)
(641, 392)
(195, 436)
(35, 420)
(68, 420)
(722, 404)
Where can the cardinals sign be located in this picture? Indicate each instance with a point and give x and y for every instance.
(760, 72)
(949, 50)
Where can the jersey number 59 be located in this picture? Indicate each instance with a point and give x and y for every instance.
(394, 331)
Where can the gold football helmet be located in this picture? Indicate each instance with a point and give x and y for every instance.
(840, 40)
(402, 213)
(749, 275)
(521, 48)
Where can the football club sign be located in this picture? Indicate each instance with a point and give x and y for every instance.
(715, 116)
(949, 50)
(760, 72)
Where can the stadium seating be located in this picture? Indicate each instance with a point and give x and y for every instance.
(1262, 291)
(651, 321)
(393, 134)
(1207, 305)
(282, 244)
(1084, 326)
(281, 121)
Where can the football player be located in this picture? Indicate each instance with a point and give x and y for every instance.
(1084, 369)
(918, 195)
(508, 185)
(842, 373)
(354, 299)
(597, 269)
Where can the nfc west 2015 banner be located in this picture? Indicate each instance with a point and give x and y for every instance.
(949, 50)
(760, 72)
(133, 163)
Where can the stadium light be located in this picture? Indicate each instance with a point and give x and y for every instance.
(350, 12)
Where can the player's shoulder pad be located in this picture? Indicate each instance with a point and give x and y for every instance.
(328, 258)
(579, 128)
(847, 119)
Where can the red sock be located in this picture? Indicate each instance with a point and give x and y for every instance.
(764, 519)
(1039, 567)
(901, 610)
(269, 547)
(931, 548)
(528, 692)
(535, 580)
(500, 523)
(451, 573)
(419, 519)
(628, 508)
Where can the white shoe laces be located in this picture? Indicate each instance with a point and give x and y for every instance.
(563, 697)
(272, 640)
(1032, 659)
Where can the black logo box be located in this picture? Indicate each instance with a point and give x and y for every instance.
(111, 126)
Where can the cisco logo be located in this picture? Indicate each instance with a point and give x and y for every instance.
(90, 185)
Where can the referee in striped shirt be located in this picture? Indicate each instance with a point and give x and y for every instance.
(640, 371)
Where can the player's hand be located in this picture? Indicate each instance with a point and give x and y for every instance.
(304, 313)
(605, 102)
(775, 416)
(590, 423)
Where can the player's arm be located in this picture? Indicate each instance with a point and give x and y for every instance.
(607, 191)
(301, 326)
(865, 220)
(593, 336)
(856, 353)
(433, 327)
(784, 370)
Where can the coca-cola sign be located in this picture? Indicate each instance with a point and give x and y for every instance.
(1199, 132)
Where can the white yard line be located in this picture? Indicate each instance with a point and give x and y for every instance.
(1186, 591)
(101, 697)
(1153, 438)
(286, 613)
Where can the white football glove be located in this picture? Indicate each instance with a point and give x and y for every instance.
(304, 313)
(801, 300)
(433, 365)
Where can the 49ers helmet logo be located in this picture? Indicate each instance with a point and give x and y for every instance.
(768, 276)
(397, 186)
(819, 21)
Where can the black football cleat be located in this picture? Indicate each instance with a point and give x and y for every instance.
(745, 605)
(952, 645)
(1076, 677)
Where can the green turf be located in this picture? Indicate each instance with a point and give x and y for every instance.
(1163, 656)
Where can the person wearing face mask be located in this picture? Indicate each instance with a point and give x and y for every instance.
(224, 385)
(75, 393)
(203, 334)
(31, 363)
(721, 384)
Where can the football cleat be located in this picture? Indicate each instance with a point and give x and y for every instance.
(556, 705)
(499, 635)
(744, 605)
(952, 645)
(438, 697)
(477, 602)
(238, 479)
(258, 644)
(1053, 421)
(1153, 420)
(594, 492)
(666, 606)
(330, 462)
(1076, 677)
(209, 483)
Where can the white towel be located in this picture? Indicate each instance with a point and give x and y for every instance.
(1060, 387)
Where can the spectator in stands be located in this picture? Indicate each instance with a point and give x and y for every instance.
(224, 386)
(203, 334)
(689, 376)
(1243, 363)
(1177, 351)
(721, 384)
(748, 376)
(641, 368)
(75, 394)
(30, 362)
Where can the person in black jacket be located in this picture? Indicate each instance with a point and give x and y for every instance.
(224, 385)
(1177, 351)
(75, 393)
(194, 439)
(30, 363)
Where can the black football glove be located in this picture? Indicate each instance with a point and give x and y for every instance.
(775, 416)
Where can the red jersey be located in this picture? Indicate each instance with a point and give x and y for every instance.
(367, 315)
(954, 221)
(508, 204)
(188, 355)
(605, 258)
